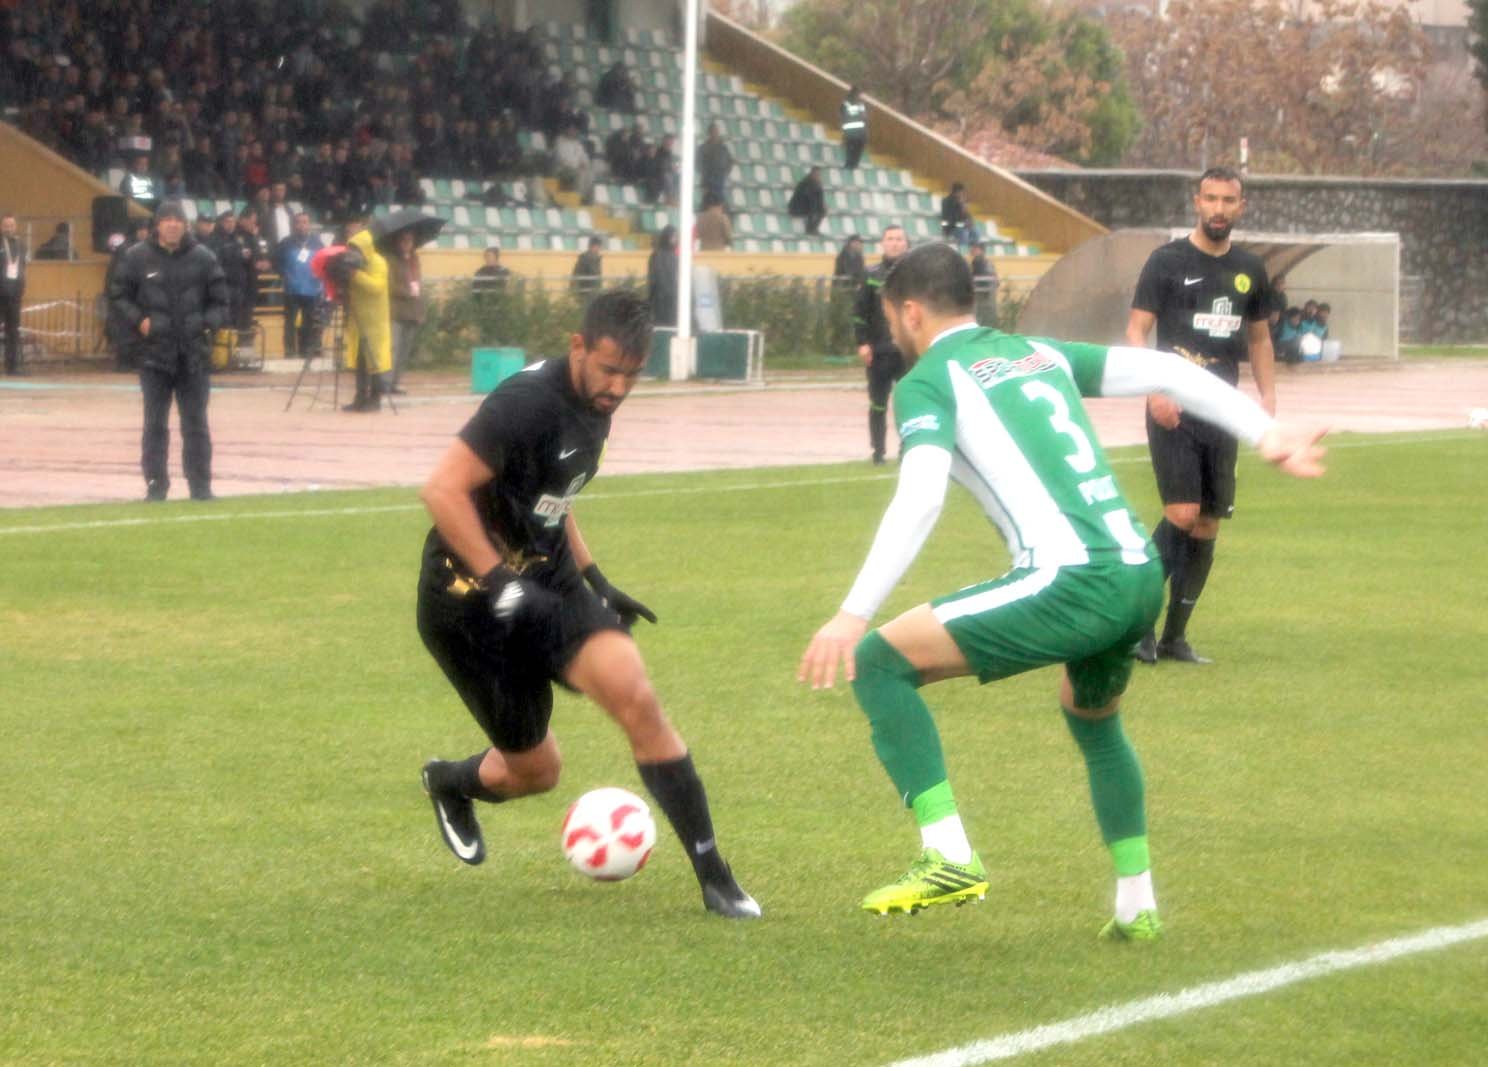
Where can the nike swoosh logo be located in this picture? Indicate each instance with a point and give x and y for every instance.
(152, 274)
(461, 849)
(700, 847)
(1193, 281)
(565, 455)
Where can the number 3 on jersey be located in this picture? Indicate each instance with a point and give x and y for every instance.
(1082, 461)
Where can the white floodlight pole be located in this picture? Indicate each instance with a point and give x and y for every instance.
(684, 354)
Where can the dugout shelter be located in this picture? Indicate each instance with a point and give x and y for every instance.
(1086, 295)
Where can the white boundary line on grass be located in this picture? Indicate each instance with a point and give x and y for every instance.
(377, 509)
(1169, 1005)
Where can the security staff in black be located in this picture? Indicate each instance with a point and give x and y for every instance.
(511, 601)
(1209, 302)
(169, 293)
(876, 348)
(854, 128)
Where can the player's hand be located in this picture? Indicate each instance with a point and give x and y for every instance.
(144, 327)
(1295, 451)
(865, 353)
(833, 644)
(516, 601)
(627, 607)
(1164, 411)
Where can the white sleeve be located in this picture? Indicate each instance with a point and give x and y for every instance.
(1133, 371)
(923, 474)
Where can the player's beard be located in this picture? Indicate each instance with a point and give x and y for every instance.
(1217, 230)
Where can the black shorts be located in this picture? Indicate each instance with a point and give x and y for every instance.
(506, 676)
(1194, 464)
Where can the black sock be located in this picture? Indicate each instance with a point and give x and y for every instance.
(878, 429)
(1188, 583)
(678, 789)
(1168, 540)
(465, 776)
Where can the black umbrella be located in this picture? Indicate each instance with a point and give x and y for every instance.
(405, 220)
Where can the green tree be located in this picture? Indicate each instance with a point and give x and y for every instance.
(1053, 82)
(1336, 91)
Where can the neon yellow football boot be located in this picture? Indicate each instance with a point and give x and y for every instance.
(1145, 926)
(932, 879)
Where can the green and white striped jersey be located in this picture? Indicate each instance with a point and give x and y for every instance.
(1009, 411)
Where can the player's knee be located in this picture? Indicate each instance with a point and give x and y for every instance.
(1205, 528)
(632, 702)
(542, 779)
(877, 660)
(1183, 516)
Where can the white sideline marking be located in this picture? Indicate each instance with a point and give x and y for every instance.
(207, 516)
(1168, 1005)
(164, 520)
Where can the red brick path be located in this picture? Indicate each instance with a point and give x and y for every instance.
(74, 440)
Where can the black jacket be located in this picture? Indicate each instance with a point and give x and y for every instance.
(234, 259)
(661, 286)
(14, 252)
(869, 324)
(182, 293)
(808, 201)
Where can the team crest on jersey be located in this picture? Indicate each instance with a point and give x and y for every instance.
(988, 372)
(553, 509)
(1220, 321)
(918, 423)
(1242, 283)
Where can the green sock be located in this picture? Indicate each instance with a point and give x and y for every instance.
(933, 804)
(904, 735)
(1116, 789)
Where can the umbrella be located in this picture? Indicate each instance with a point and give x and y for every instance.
(405, 220)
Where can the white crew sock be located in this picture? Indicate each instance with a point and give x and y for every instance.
(1134, 895)
(948, 837)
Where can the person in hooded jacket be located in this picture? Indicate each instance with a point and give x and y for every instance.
(171, 293)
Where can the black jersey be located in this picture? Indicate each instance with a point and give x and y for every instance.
(1203, 303)
(545, 445)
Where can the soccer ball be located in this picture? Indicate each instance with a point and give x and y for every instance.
(608, 834)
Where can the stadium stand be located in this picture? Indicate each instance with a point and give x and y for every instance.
(102, 106)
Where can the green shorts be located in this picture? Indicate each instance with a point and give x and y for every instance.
(1086, 617)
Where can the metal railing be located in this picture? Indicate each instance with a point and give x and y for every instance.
(63, 329)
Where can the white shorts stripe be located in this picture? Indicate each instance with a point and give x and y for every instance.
(1021, 589)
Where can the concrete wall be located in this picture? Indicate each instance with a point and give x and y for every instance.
(1443, 228)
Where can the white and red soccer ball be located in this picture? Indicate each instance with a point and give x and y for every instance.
(608, 834)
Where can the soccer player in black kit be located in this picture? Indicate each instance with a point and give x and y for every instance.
(511, 601)
(1209, 301)
(876, 348)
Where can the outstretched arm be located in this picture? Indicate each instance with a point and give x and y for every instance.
(1133, 371)
(923, 475)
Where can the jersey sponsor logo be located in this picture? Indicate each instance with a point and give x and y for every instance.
(989, 372)
(553, 509)
(918, 423)
(1220, 321)
(1242, 283)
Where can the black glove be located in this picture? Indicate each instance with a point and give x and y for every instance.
(517, 601)
(627, 607)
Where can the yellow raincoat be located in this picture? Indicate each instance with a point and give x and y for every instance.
(370, 311)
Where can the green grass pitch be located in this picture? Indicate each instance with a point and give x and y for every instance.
(215, 848)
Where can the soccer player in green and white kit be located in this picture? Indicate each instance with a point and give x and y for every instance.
(1002, 415)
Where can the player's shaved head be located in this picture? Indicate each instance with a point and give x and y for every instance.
(934, 276)
(624, 317)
